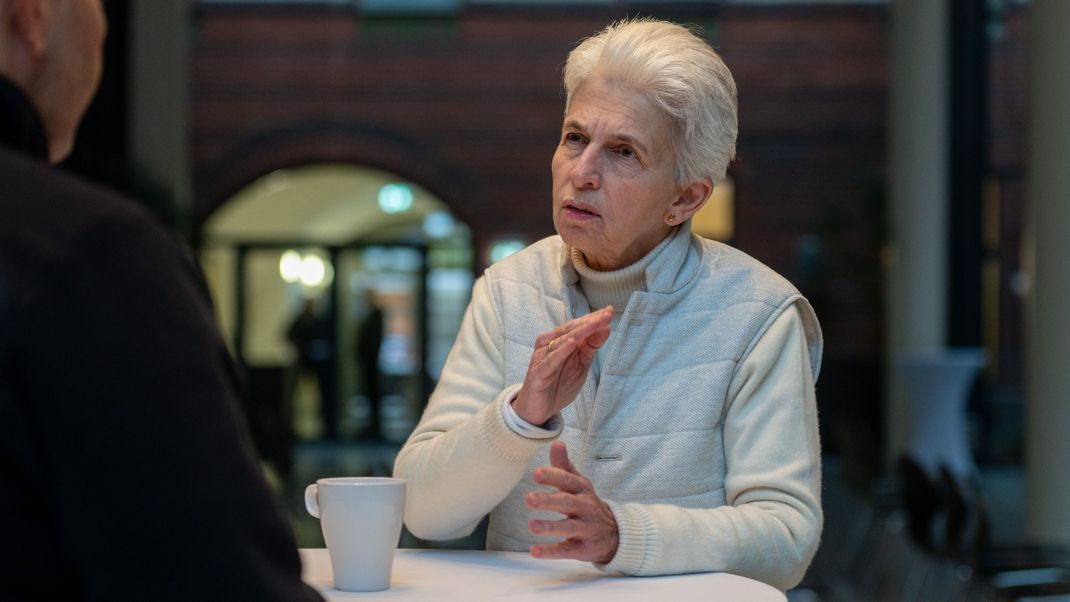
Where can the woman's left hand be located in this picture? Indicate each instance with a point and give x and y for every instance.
(589, 528)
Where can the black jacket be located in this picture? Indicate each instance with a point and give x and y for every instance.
(125, 467)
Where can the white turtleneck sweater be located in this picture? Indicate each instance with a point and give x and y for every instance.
(697, 426)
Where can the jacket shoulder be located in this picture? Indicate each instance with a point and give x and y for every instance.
(737, 272)
(51, 216)
(539, 262)
(735, 277)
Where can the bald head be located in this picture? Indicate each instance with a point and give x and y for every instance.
(52, 50)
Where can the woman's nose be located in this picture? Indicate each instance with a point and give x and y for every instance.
(586, 173)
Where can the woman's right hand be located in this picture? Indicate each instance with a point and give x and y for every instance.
(559, 366)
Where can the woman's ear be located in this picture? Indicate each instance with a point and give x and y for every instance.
(692, 197)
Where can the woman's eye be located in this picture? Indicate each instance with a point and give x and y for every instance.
(573, 137)
(626, 152)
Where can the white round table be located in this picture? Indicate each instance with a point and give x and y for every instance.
(470, 575)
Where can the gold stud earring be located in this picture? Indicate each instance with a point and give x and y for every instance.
(672, 217)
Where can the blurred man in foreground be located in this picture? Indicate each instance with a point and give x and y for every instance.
(125, 469)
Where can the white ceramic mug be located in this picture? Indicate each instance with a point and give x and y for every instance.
(361, 522)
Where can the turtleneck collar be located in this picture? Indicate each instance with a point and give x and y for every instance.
(21, 128)
(615, 287)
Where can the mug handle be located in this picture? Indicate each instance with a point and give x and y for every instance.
(312, 500)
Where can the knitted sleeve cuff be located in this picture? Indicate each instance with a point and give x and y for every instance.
(505, 441)
(524, 428)
(635, 529)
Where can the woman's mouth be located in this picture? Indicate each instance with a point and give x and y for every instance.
(580, 211)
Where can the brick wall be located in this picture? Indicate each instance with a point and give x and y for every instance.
(470, 108)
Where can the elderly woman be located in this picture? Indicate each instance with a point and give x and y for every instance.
(626, 392)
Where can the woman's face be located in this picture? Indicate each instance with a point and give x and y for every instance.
(613, 172)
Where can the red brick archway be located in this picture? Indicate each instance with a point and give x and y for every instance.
(328, 142)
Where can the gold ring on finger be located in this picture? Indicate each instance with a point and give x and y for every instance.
(550, 347)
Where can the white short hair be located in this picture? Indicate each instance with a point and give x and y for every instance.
(680, 74)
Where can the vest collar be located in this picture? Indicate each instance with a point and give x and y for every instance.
(678, 267)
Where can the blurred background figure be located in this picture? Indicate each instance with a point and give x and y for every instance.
(310, 335)
(369, 344)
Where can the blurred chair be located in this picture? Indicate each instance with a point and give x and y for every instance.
(948, 519)
(922, 501)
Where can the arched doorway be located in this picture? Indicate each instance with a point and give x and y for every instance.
(337, 244)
